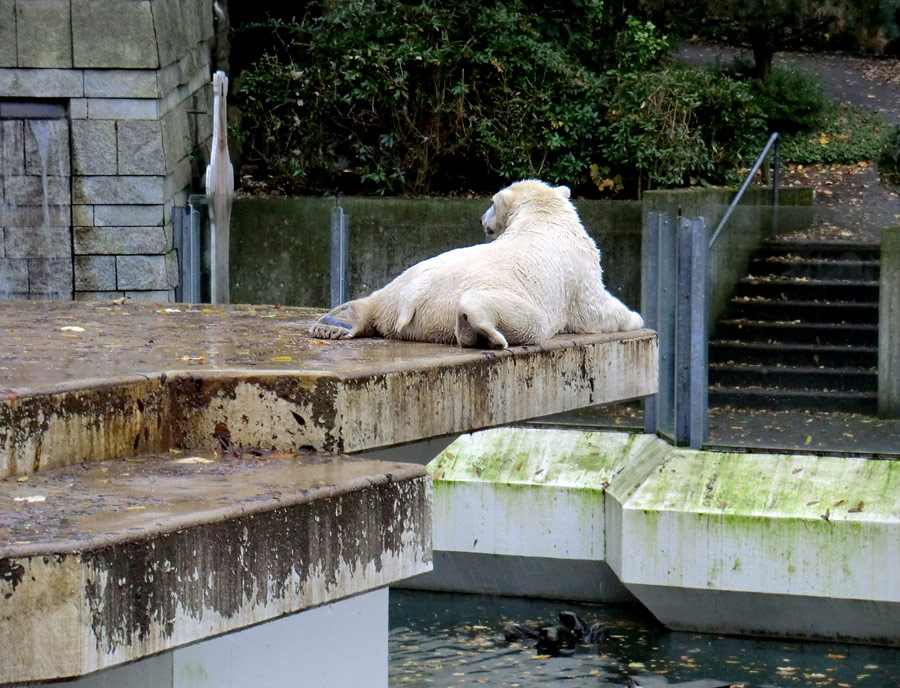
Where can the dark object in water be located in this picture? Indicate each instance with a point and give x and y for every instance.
(596, 634)
(553, 639)
(513, 632)
(573, 622)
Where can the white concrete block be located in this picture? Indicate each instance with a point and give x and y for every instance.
(312, 645)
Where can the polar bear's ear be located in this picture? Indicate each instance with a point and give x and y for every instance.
(503, 199)
(563, 191)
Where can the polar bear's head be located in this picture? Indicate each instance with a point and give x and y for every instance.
(505, 203)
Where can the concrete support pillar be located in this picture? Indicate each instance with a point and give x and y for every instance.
(889, 325)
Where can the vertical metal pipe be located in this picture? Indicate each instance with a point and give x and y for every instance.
(180, 218)
(699, 339)
(665, 397)
(340, 255)
(650, 298)
(684, 277)
(191, 233)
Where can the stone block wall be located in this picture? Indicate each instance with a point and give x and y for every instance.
(134, 76)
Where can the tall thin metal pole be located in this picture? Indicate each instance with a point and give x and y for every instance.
(340, 254)
(699, 335)
(650, 299)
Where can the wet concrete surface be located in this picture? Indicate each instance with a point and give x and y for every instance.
(47, 344)
(110, 562)
(86, 382)
(80, 508)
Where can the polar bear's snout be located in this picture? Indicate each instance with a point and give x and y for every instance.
(489, 222)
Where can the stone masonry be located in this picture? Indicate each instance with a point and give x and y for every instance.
(134, 76)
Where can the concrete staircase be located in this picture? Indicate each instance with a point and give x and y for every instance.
(801, 331)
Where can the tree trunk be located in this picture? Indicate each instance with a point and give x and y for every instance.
(763, 51)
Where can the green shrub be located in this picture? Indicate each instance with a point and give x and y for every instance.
(791, 100)
(389, 97)
(681, 126)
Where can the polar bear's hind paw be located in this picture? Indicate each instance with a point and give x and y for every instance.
(479, 335)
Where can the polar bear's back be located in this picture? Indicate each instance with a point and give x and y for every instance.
(422, 302)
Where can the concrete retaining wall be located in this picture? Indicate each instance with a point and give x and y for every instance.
(792, 546)
(280, 247)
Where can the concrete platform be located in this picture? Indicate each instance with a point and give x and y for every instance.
(109, 562)
(88, 381)
(170, 473)
(759, 544)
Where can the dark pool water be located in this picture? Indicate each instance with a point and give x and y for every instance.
(445, 639)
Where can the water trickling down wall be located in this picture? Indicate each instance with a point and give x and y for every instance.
(35, 205)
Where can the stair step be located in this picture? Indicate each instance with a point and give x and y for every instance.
(823, 380)
(797, 265)
(801, 331)
(822, 249)
(799, 289)
(739, 329)
(779, 399)
(809, 355)
(806, 311)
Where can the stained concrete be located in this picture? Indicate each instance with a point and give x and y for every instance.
(91, 381)
(112, 561)
(761, 544)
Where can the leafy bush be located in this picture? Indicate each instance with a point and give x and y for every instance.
(440, 96)
(791, 100)
(679, 126)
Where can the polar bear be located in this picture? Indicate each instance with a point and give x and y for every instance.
(540, 277)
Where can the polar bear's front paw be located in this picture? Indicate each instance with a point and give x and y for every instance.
(336, 324)
(329, 331)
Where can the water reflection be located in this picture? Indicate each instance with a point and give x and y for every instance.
(446, 639)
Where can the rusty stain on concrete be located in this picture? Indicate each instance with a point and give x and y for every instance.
(131, 557)
(149, 377)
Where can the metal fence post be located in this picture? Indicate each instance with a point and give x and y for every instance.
(650, 299)
(699, 335)
(665, 397)
(683, 292)
(340, 254)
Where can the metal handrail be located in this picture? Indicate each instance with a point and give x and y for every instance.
(774, 139)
